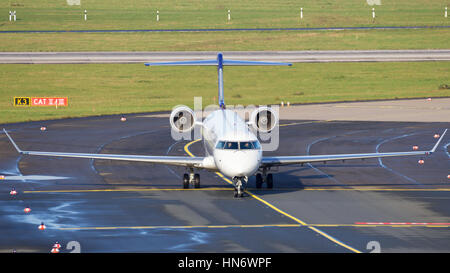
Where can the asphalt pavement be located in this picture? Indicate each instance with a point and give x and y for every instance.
(112, 206)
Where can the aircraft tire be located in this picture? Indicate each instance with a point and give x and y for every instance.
(269, 181)
(185, 181)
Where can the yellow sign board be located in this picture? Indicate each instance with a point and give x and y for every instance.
(22, 101)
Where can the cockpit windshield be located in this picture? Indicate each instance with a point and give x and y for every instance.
(245, 145)
(235, 145)
(231, 145)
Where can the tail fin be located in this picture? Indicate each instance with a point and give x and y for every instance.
(219, 62)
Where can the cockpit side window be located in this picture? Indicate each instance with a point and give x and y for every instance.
(256, 144)
(220, 145)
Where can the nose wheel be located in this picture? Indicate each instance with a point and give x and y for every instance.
(240, 184)
(191, 178)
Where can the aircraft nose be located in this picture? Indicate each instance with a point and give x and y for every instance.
(239, 163)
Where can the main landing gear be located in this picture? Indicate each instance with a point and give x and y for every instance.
(191, 178)
(264, 177)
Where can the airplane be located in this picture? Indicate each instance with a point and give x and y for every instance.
(231, 145)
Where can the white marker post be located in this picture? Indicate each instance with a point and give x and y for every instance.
(85, 15)
(10, 13)
(301, 13)
(229, 15)
(445, 14)
(373, 14)
(14, 16)
(157, 16)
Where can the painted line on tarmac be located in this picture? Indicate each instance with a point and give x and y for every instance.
(131, 190)
(221, 29)
(305, 122)
(357, 189)
(302, 223)
(253, 189)
(310, 226)
(182, 227)
(380, 160)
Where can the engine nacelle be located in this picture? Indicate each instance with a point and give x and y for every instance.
(182, 119)
(263, 119)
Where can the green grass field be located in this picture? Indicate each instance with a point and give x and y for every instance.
(229, 41)
(98, 89)
(115, 89)
(141, 14)
(176, 14)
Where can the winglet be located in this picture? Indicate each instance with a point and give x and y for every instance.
(439, 141)
(12, 141)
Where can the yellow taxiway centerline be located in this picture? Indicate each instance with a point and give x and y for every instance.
(311, 226)
(131, 190)
(182, 227)
(230, 189)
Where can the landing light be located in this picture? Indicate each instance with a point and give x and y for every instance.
(421, 161)
(436, 135)
(27, 210)
(415, 148)
(43, 128)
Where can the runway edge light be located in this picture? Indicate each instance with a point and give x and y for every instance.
(13, 192)
(42, 226)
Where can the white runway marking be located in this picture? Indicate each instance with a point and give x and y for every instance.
(389, 169)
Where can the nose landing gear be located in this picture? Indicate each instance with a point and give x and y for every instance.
(240, 184)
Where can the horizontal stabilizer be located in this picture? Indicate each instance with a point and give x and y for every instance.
(237, 62)
(200, 62)
(220, 61)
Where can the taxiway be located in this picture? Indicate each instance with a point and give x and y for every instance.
(109, 206)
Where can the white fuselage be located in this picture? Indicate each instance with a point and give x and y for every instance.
(228, 139)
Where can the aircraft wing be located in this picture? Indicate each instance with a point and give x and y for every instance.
(288, 160)
(186, 161)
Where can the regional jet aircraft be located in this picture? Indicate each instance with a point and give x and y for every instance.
(231, 144)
